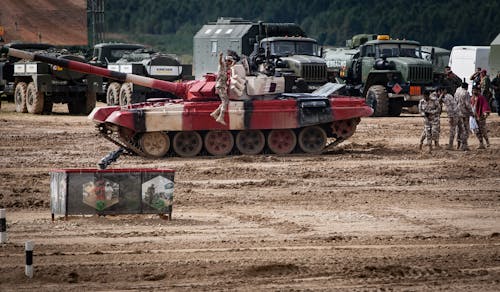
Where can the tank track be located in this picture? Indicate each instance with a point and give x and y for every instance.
(340, 131)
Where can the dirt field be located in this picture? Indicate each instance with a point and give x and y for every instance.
(375, 214)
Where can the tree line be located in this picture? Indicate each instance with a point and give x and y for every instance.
(169, 25)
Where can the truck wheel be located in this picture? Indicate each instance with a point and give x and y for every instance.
(20, 97)
(126, 94)
(395, 107)
(113, 94)
(377, 99)
(34, 99)
(90, 101)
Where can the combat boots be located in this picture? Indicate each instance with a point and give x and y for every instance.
(436, 145)
(450, 145)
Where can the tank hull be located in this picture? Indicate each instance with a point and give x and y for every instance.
(337, 116)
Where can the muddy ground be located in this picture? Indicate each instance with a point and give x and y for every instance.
(375, 214)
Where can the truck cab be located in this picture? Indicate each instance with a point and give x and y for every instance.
(106, 53)
(389, 74)
(300, 56)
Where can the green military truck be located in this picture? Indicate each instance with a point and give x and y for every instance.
(272, 48)
(35, 86)
(390, 74)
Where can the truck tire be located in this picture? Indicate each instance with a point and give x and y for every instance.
(395, 107)
(126, 94)
(113, 94)
(90, 101)
(377, 99)
(34, 99)
(20, 97)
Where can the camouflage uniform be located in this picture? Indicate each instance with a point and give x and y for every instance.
(464, 111)
(221, 90)
(430, 109)
(452, 110)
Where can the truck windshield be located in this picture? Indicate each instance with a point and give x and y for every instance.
(287, 48)
(117, 54)
(398, 50)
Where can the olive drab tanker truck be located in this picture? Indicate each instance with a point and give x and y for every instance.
(36, 86)
(389, 74)
(293, 55)
(261, 116)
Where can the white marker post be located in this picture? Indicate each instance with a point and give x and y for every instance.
(29, 259)
(3, 227)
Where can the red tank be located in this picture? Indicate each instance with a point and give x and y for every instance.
(261, 117)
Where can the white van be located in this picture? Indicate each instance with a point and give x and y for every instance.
(465, 59)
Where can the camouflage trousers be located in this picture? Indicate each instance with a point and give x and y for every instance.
(219, 112)
(463, 131)
(432, 128)
(454, 122)
(482, 131)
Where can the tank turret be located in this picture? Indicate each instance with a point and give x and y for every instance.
(260, 117)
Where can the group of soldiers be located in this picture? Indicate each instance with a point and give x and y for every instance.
(465, 113)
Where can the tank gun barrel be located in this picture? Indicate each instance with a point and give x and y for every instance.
(176, 88)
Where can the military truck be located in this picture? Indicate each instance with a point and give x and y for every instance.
(390, 74)
(36, 86)
(139, 60)
(285, 45)
(439, 57)
(104, 54)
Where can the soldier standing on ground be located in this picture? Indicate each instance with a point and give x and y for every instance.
(476, 77)
(429, 109)
(481, 111)
(464, 112)
(221, 87)
(452, 80)
(452, 111)
(495, 84)
(485, 84)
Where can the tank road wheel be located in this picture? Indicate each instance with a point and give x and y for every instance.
(154, 144)
(345, 128)
(250, 142)
(126, 94)
(113, 94)
(187, 144)
(312, 139)
(377, 99)
(20, 97)
(219, 143)
(282, 141)
(34, 99)
(90, 101)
